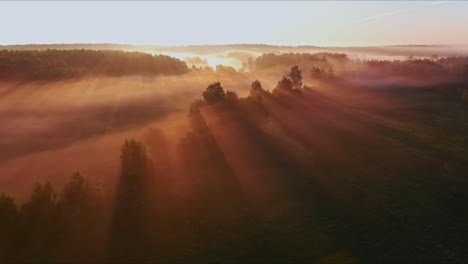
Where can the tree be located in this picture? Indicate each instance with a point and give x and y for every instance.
(232, 96)
(130, 225)
(80, 225)
(322, 73)
(133, 160)
(284, 85)
(77, 191)
(316, 72)
(43, 200)
(296, 76)
(213, 93)
(39, 228)
(9, 219)
(256, 90)
(195, 107)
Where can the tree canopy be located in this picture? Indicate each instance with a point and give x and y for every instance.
(213, 93)
(62, 64)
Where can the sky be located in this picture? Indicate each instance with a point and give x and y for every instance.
(334, 23)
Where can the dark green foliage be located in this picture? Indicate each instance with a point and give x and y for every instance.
(214, 93)
(63, 64)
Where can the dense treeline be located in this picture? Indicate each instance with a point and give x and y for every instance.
(51, 227)
(337, 65)
(62, 64)
(455, 67)
(303, 59)
(280, 176)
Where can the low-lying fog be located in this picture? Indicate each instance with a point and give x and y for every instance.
(237, 56)
(51, 129)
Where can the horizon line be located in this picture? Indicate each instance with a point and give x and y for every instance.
(241, 44)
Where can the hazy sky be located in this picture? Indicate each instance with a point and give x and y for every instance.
(184, 23)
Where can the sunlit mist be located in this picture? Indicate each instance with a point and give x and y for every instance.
(233, 132)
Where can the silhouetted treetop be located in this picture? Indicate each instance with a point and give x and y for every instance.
(9, 220)
(213, 93)
(255, 87)
(292, 83)
(42, 197)
(133, 158)
(296, 76)
(285, 84)
(8, 212)
(232, 96)
(256, 90)
(78, 190)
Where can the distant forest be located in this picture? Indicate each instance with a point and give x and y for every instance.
(57, 64)
(396, 50)
(63, 64)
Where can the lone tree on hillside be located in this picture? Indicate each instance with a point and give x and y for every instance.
(213, 93)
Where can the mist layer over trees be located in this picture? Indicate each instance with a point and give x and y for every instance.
(318, 159)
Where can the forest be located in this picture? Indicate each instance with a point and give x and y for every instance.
(294, 158)
(64, 64)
